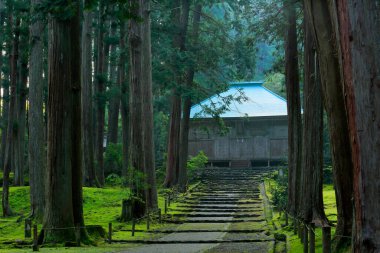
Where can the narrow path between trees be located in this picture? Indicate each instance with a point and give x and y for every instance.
(224, 214)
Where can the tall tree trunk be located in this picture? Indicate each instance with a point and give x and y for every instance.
(87, 101)
(173, 141)
(37, 154)
(76, 132)
(4, 98)
(294, 109)
(327, 48)
(99, 94)
(114, 102)
(359, 32)
(124, 98)
(136, 142)
(311, 198)
(64, 181)
(185, 123)
(22, 79)
(180, 19)
(151, 191)
(12, 117)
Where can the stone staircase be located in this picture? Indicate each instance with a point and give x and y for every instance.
(224, 214)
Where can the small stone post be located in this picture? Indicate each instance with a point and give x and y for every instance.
(326, 239)
(133, 227)
(109, 233)
(28, 228)
(305, 239)
(312, 238)
(77, 234)
(35, 238)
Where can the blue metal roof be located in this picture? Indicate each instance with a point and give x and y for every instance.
(260, 102)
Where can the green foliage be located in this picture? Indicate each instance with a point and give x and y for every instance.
(195, 164)
(114, 180)
(60, 9)
(113, 158)
(279, 190)
(276, 83)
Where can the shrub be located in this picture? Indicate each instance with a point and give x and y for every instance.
(195, 164)
(280, 190)
(114, 180)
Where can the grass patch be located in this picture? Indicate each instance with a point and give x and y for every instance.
(101, 206)
(294, 244)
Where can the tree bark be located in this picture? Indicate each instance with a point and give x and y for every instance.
(12, 117)
(100, 96)
(311, 197)
(59, 192)
(87, 101)
(185, 123)
(136, 141)
(124, 99)
(149, 156)
(359, 33)
(114, 102)
(76, 132)
(327, 48)
(37, 154)
(4, 98)
(22, 78)
(294, 109)
(64, 180)
(180, 19)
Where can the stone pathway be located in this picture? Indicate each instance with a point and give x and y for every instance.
(225, 214)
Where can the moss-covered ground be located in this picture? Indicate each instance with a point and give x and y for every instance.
(294, 244)
(101, 207)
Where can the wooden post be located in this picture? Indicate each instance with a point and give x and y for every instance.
(35, 238)
(159, 215)
(133, 227)
(166, 205)
(295, 226)
(305, 239)
(77, 234)
(148, 223)
(28, 228)
(326, 239)
(109, 233)
(169, 199)
(311, 238)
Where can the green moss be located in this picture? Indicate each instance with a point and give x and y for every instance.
(293, 242)
(101, 207)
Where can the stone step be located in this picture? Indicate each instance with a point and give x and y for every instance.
(169, 231)
(216, 214)
(218, 198)
(215, 220)
(223, 207)
(205, 210)
(191, 241)
(236, 202)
